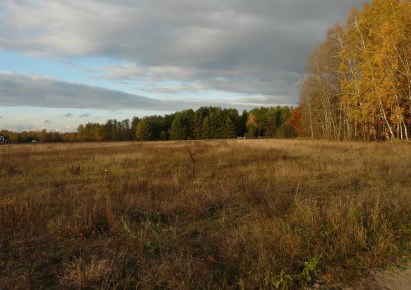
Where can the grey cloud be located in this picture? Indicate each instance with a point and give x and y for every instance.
(47, 121)
(20, 127)
(38, 91)
(85, 115)
(257, 46)
(68, 115)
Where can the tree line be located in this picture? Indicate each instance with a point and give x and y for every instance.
(358, 81)
(203, 123)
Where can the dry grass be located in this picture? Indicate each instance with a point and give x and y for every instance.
(206, 214)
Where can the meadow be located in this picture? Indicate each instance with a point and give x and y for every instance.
(237, 214)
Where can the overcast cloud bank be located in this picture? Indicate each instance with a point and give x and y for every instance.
(40, 91)
(244, 47)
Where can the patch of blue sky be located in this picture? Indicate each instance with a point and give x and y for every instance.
(3, 11)
(78, 70)
(19, 63)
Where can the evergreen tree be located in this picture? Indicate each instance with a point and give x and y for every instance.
(181, 128)
(229, 128)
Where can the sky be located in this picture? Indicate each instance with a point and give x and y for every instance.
(69, 62)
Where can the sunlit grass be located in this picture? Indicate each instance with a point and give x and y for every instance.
(201, 214)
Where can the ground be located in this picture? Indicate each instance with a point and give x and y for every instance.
(202, 214)
(398, 278)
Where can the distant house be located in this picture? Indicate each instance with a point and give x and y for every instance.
(34, 141)
(2, 139)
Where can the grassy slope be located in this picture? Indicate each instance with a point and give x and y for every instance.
(209, 214)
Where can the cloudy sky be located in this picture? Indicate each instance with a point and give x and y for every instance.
(66, 62)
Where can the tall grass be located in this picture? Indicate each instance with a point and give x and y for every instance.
(208, 214)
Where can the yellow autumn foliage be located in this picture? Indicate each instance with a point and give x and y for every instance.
(370, 59)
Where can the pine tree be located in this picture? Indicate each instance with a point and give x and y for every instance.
(229, 129)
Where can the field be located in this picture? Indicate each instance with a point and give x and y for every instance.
(240, 214)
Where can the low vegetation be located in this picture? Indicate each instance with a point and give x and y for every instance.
(241, 214)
